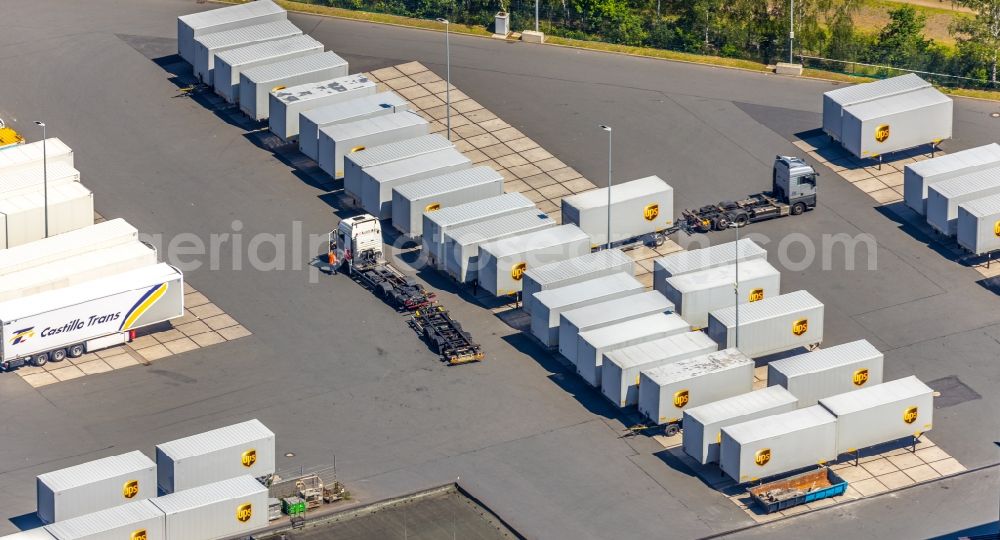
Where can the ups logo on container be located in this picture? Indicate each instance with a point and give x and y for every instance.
(432, 207)
(517, 271)
(244, 512)
(755, 295)
(651, 211)
(762, 456)
(249, 458)
(681, 398)
(138, 535)
(996, 228)
(130, 489)
(910, 415)
(800, 327)
(860, 377)
(882, 133)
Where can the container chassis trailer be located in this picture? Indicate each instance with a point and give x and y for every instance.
(445, 336)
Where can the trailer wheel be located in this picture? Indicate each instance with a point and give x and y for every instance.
(58, 355)
(798, 208)
(40, 360)
(4, 366)
(75, 351)
(741, 220)
(659, 239)
(438, 345)
(721, 223)
(671, 430)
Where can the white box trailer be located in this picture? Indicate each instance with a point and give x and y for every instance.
(226, 452)
(378, 181)
(638, 208)
(207, 46)
(352, 110)
(229, 64)
(826, 372)
(95, 485)
(697, 293)
(772, 325)
(622, 368)
(286, 104)
(461, 244)
(411, 202)
(918, 176)
(29, 179)
(22, 214)
(881, 413)
(337, 140)
(574, 322)
(437, 224)
(502, 263)
(703, 423)
(140, 520)
(944, 197)
(257, 84)
(58, 247)
(373, 156)
(87, 317)
(666, 391)
(561, 273)
(835, 101)
(900, 122)
(979, 225)
(196, 25)
(592, 345)
(33, 156)
(777, 444)
(685, 262)
(549, 304)
(75, 269)
(233, 508)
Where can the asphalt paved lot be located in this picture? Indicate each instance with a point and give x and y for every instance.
(333, 371)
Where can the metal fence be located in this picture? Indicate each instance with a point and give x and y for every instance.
(881, 72)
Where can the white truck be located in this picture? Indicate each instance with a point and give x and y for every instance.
(89, 316)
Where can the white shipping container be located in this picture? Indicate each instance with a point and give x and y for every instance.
(502, 263)
(561, 273)
(684, 262)
(436, 224)
(461, 244)
(311, 121)
(917, 176)
(338, 140)
(826, 372)
(834, 101)
(638, 207)
(227, 452)
(574, 322)
(703, 423)
(99, 236)
(944, 197)
(231, 508)
(666, 391)
(209, 45)
(412, 201)
(777, 444)
(27, 180)
(899, 122)
(979, 225)
(881, 413)
(377, 182)
(549, 304)
(22, 216)
(35, 155)
(622, 368)
(285, 104)
(592, 345)
(221, 19)
(229, 64)
(695, 294)
(772, 325)
(140, 520)
(387, 153)
(95, 485)
(257, 84)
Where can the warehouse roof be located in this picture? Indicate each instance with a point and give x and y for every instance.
(93, 471)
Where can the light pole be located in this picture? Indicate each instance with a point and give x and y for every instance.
(447, 54)
(45, 178)
(536, 15)
(736, 285)
(791, 29)
(608, 129)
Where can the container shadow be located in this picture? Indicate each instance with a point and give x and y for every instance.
(710, 475)
(26, 522)
(916, 226)
(984, 531)
(991, 284)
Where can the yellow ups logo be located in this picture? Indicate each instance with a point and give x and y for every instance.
(762, 456)
(800, 327)
(910, 415)
(130, 489)
(651, 211)
(756, 294)
(249, 458)
(138, 535)
(996, 228)
(681, 398)
(860, 377)
(517, 271)
(882, 133)
(244, 512)
(432, 207)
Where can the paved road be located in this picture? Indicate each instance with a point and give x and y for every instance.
(334, 372)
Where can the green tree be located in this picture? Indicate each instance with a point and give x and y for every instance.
(981, 34)
(901, 42)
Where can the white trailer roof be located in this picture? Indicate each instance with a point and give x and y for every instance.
(667, 347)
(290, 67)
(758, 400)
(102, 521)
(866, 398)
(559, 270)
(336, 112)
(721, 275)
(92, 471)
(56, 247)
(683, 262)
(214, 440)
(987, 206)
(230, 14)
(304, 92)
(249, 34)
(877, 89)
(967, 183)
(823, 359)
(779, 424)
(27, 199)
(534, 240)
(378, 155)
(769, 307)
(697, 366)
(26, 153)
(973, 157)
(624, 191)
(878, 108)
(372, 125)
(447, 182)
(268, 49)
(34, 178)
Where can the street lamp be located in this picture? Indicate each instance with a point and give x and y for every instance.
(791, 29)
(447, 53)
(608, 129)
(736, 285)
(45, 178)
